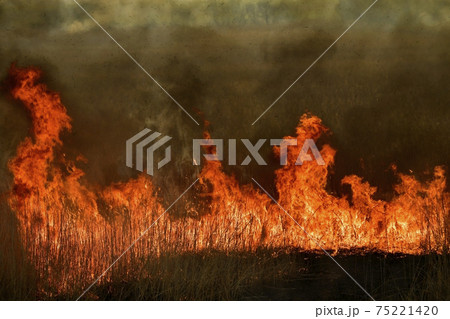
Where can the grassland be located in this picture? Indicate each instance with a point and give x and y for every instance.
(366, 91)
(213, 275)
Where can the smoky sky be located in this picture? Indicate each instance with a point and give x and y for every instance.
(383, 89)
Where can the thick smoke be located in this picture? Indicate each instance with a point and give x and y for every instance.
(64, 16)
(382, 89)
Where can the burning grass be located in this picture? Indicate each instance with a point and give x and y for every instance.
(71, 232)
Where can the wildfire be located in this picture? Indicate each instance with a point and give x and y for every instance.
(58, 212)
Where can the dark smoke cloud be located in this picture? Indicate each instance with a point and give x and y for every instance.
(65, 16)
(382, 89)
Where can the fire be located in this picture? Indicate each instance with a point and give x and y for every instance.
(61, 214)
(416, 220)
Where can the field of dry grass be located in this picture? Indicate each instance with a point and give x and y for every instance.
(207, 274)
(366, 91)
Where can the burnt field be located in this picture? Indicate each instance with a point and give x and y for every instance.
(269, 275)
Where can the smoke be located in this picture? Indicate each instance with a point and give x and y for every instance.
(56, 16)
(381, 89)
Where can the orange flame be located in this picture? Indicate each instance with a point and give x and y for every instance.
(59, 213)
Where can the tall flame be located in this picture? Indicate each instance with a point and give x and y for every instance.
(59, 213)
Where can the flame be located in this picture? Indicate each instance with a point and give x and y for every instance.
(73, 231)
(415, 221)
